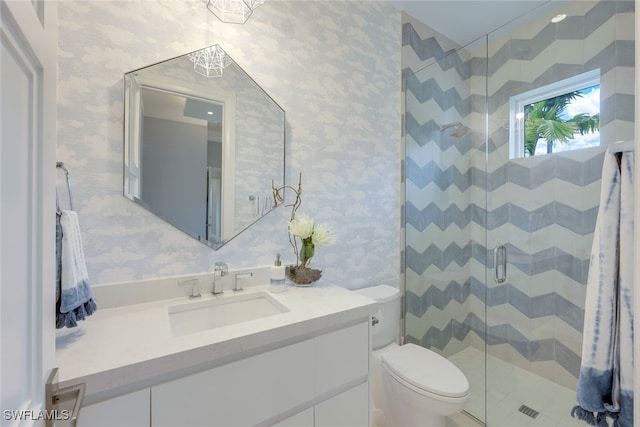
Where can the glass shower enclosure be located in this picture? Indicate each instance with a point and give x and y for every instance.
(498, 233)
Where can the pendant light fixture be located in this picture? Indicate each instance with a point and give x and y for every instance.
(233, 11)
(210, 61)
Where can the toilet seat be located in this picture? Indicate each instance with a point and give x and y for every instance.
(426, 372)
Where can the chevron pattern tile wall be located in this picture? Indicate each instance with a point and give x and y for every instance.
(458, 208)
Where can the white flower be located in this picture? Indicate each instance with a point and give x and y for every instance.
(322, 235)
(301, 226)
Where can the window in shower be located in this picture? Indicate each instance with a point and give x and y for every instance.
(561, 116)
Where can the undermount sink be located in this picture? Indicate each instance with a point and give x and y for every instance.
(200, 316)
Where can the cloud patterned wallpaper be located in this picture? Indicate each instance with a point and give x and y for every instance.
(335, 69)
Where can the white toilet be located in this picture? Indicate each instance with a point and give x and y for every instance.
(410, 385)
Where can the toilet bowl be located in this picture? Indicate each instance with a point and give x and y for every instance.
(411, 386)
(421, 387)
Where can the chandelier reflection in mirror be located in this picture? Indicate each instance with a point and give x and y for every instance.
(210, 61)
(233, 11)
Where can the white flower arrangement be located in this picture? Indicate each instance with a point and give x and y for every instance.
(311, 235)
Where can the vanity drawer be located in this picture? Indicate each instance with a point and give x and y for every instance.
(350, 408)
(277, 386)
(240, 393)
(341, 357)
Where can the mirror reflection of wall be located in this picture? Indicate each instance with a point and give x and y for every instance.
(182, 149)
(214, 176)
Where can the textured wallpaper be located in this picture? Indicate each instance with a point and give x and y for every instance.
(335, 69)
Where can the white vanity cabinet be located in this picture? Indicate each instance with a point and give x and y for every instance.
(301, 419)
(338, 411)
(321, 381)
(130, 410)
(345, 409)
(306, 367)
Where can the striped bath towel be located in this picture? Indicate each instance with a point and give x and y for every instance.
(605, 383)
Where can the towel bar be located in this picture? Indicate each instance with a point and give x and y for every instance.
(60, 165)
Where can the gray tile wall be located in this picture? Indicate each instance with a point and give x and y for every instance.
(542, 208)
(438, 180)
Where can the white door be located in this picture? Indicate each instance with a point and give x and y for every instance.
(27, 206)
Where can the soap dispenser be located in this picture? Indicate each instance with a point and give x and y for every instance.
(277, 283)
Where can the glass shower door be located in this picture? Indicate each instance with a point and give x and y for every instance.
(542, 202)
(540, 219)
(444, 201)
(498, 236)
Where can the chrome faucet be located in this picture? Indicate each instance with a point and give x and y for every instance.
(220, 270)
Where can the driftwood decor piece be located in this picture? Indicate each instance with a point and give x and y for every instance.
(310, 235)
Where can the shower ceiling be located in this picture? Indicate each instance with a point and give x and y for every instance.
(463, 21)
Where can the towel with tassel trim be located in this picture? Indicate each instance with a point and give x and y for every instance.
(75, 299)
(605, 383)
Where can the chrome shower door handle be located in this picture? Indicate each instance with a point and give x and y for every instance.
(500, 277)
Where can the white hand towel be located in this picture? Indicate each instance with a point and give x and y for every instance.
(76, 301)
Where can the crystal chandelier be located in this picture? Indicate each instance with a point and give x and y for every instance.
(210, 61)
(233, 11)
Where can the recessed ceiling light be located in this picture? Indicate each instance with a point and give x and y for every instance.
(559, 17)
(210, 113)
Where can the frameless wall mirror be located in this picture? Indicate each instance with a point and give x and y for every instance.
(201, 152)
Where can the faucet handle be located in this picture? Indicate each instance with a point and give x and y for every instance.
(195, 288)
(240, 276)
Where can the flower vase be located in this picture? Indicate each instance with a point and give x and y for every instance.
(302, 276)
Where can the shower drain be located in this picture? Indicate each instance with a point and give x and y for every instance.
(529, 412)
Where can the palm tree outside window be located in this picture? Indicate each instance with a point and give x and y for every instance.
(550, 123)
(561, 116)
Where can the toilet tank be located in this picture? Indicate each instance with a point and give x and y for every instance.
(387, 329)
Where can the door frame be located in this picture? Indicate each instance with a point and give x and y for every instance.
(30, 33)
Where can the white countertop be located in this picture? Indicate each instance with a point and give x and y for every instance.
(124, 347)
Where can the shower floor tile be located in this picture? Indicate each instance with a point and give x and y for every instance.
(508, 388)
